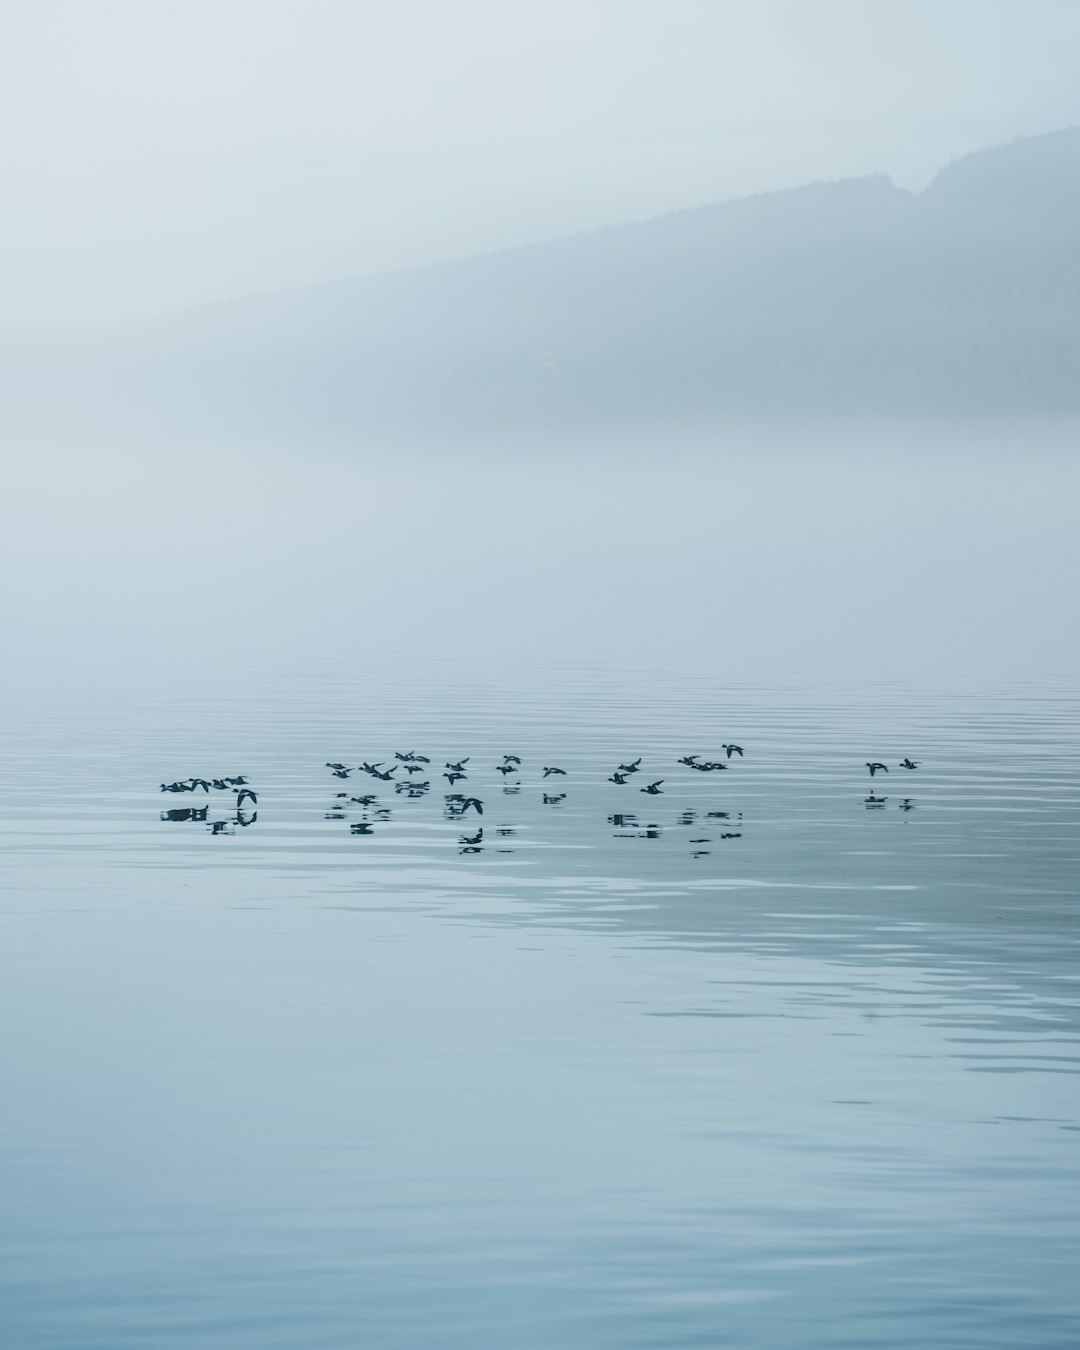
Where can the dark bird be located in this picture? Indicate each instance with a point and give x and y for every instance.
(511, 759)
(236, 782)
(411, 757)
(504, 769)
(619, 778)
(653, 789)
(369, 800)
(199, 783)
(874, 765)
(689, 760)
(221, 784)
(459, 767)
(371, 768)
(414, 768)
(908, 764)
(341, 794)
(478, 806)
(549, 772)
(635, 767)
(175, 787)
(245, 795)
(709, 766)
(334, 766)
(452, 778)
(733, 750)
(385, 776)
(342, 773)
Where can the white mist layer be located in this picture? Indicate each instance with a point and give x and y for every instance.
(893, 553)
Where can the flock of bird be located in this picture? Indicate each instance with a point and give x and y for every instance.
(876, 766)
(237, 786)
(459, 804)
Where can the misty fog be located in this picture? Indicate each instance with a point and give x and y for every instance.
(158, 156)
(888, 552)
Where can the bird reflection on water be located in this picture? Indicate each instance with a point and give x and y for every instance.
(457, 804)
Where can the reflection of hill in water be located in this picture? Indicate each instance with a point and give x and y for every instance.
(852, 297)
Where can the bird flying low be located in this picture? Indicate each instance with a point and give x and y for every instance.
(653, 789)
(908, 764)
(630, 768)
(733, 750)
(874, 765)
(619, 778)
(511, 759)
(459, 767)
(550, 771)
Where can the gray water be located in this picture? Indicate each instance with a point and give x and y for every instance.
(597, 1085)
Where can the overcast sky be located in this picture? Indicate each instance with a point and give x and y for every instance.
(160, 153)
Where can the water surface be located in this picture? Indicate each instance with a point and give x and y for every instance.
(613, 1080)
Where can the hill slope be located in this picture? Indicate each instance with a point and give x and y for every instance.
(848, 298)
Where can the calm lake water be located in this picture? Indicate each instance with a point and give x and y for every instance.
(612, 1079)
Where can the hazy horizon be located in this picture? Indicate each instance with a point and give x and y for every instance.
(158, 159)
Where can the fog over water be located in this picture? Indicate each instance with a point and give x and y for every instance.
(700, 969)
(888, 551)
